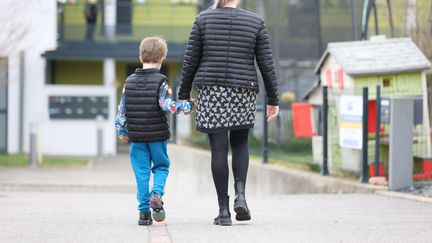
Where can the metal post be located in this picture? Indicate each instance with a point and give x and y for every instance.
(33, 158)
(376, 17)
(354, 19)
(276, 54)
(174, 116)
(377, 129)
(324, 170)
(319, 31)
(21, 102)
(265, 132)
(364, 177)
(99, 121)
(365, 19)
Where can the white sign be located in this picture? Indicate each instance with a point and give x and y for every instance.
(350, 122)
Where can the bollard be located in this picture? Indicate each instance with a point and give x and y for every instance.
(377, 130)
(324, 169)
(99, 143)
(33, 158)
(364, 177)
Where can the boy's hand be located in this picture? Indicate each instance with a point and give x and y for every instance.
(192, 103)
(125, 138)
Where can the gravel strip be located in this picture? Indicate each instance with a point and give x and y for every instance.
(422, 189)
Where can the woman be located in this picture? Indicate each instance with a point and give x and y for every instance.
(219, 61)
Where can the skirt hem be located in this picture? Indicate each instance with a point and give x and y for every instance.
(224, 129)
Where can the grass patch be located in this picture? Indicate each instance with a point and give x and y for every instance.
(22, 160)
(13, 160)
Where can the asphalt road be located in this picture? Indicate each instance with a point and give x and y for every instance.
(111, 217)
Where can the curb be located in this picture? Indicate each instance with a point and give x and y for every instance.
(277, 179)
(405, 196)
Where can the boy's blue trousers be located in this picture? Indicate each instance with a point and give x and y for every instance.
(142, 155)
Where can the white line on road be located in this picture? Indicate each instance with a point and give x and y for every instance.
(158, 233)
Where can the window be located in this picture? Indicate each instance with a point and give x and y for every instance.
(386, 82)
(75, 72)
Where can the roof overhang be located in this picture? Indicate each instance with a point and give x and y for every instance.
(321, 61)
(99, 51)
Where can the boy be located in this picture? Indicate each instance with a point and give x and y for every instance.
(141, 120)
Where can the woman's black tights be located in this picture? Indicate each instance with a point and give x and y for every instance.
(238, 140)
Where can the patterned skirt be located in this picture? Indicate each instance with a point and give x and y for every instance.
(222, 109)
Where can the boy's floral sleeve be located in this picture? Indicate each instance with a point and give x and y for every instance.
(120, 121)
(167, 103)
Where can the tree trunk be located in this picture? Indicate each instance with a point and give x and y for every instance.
(390, 13)
(411, 18)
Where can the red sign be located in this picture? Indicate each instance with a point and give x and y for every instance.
(302, 121)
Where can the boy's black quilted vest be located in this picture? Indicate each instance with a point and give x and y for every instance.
(146, 122)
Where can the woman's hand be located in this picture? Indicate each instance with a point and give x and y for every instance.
(272, 112)
(193, 105)
(125, 138)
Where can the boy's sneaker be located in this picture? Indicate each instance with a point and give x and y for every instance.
(145, 218)
(156, 204)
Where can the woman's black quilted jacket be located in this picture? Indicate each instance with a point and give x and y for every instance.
(222, 47)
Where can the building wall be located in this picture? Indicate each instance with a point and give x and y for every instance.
(77, 137)
(27, 71)
(338, 83)
(403, 84)
(26, 54)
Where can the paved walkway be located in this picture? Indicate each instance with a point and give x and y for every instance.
(98, 205)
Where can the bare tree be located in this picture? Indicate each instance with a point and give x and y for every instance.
(390, 13)
(18, 18)
(411, 18)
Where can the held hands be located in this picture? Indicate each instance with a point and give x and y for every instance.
(125, 138)
(192, 104)
(272, 112)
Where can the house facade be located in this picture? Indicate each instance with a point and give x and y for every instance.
(70, 67)
(396, 65)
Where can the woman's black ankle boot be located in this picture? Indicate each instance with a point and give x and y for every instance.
(224, 217)
(240, 205)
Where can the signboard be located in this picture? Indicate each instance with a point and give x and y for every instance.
(302, 120)
(385, 110)
(77, 107)
(350, 122)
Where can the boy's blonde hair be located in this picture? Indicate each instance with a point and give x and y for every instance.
(153, 50)
(221, 3)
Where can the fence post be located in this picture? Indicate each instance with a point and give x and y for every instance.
(33, 146)
(265, 132)
(377, 129)
(364, 177)
(99, 145)
(324, 169)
